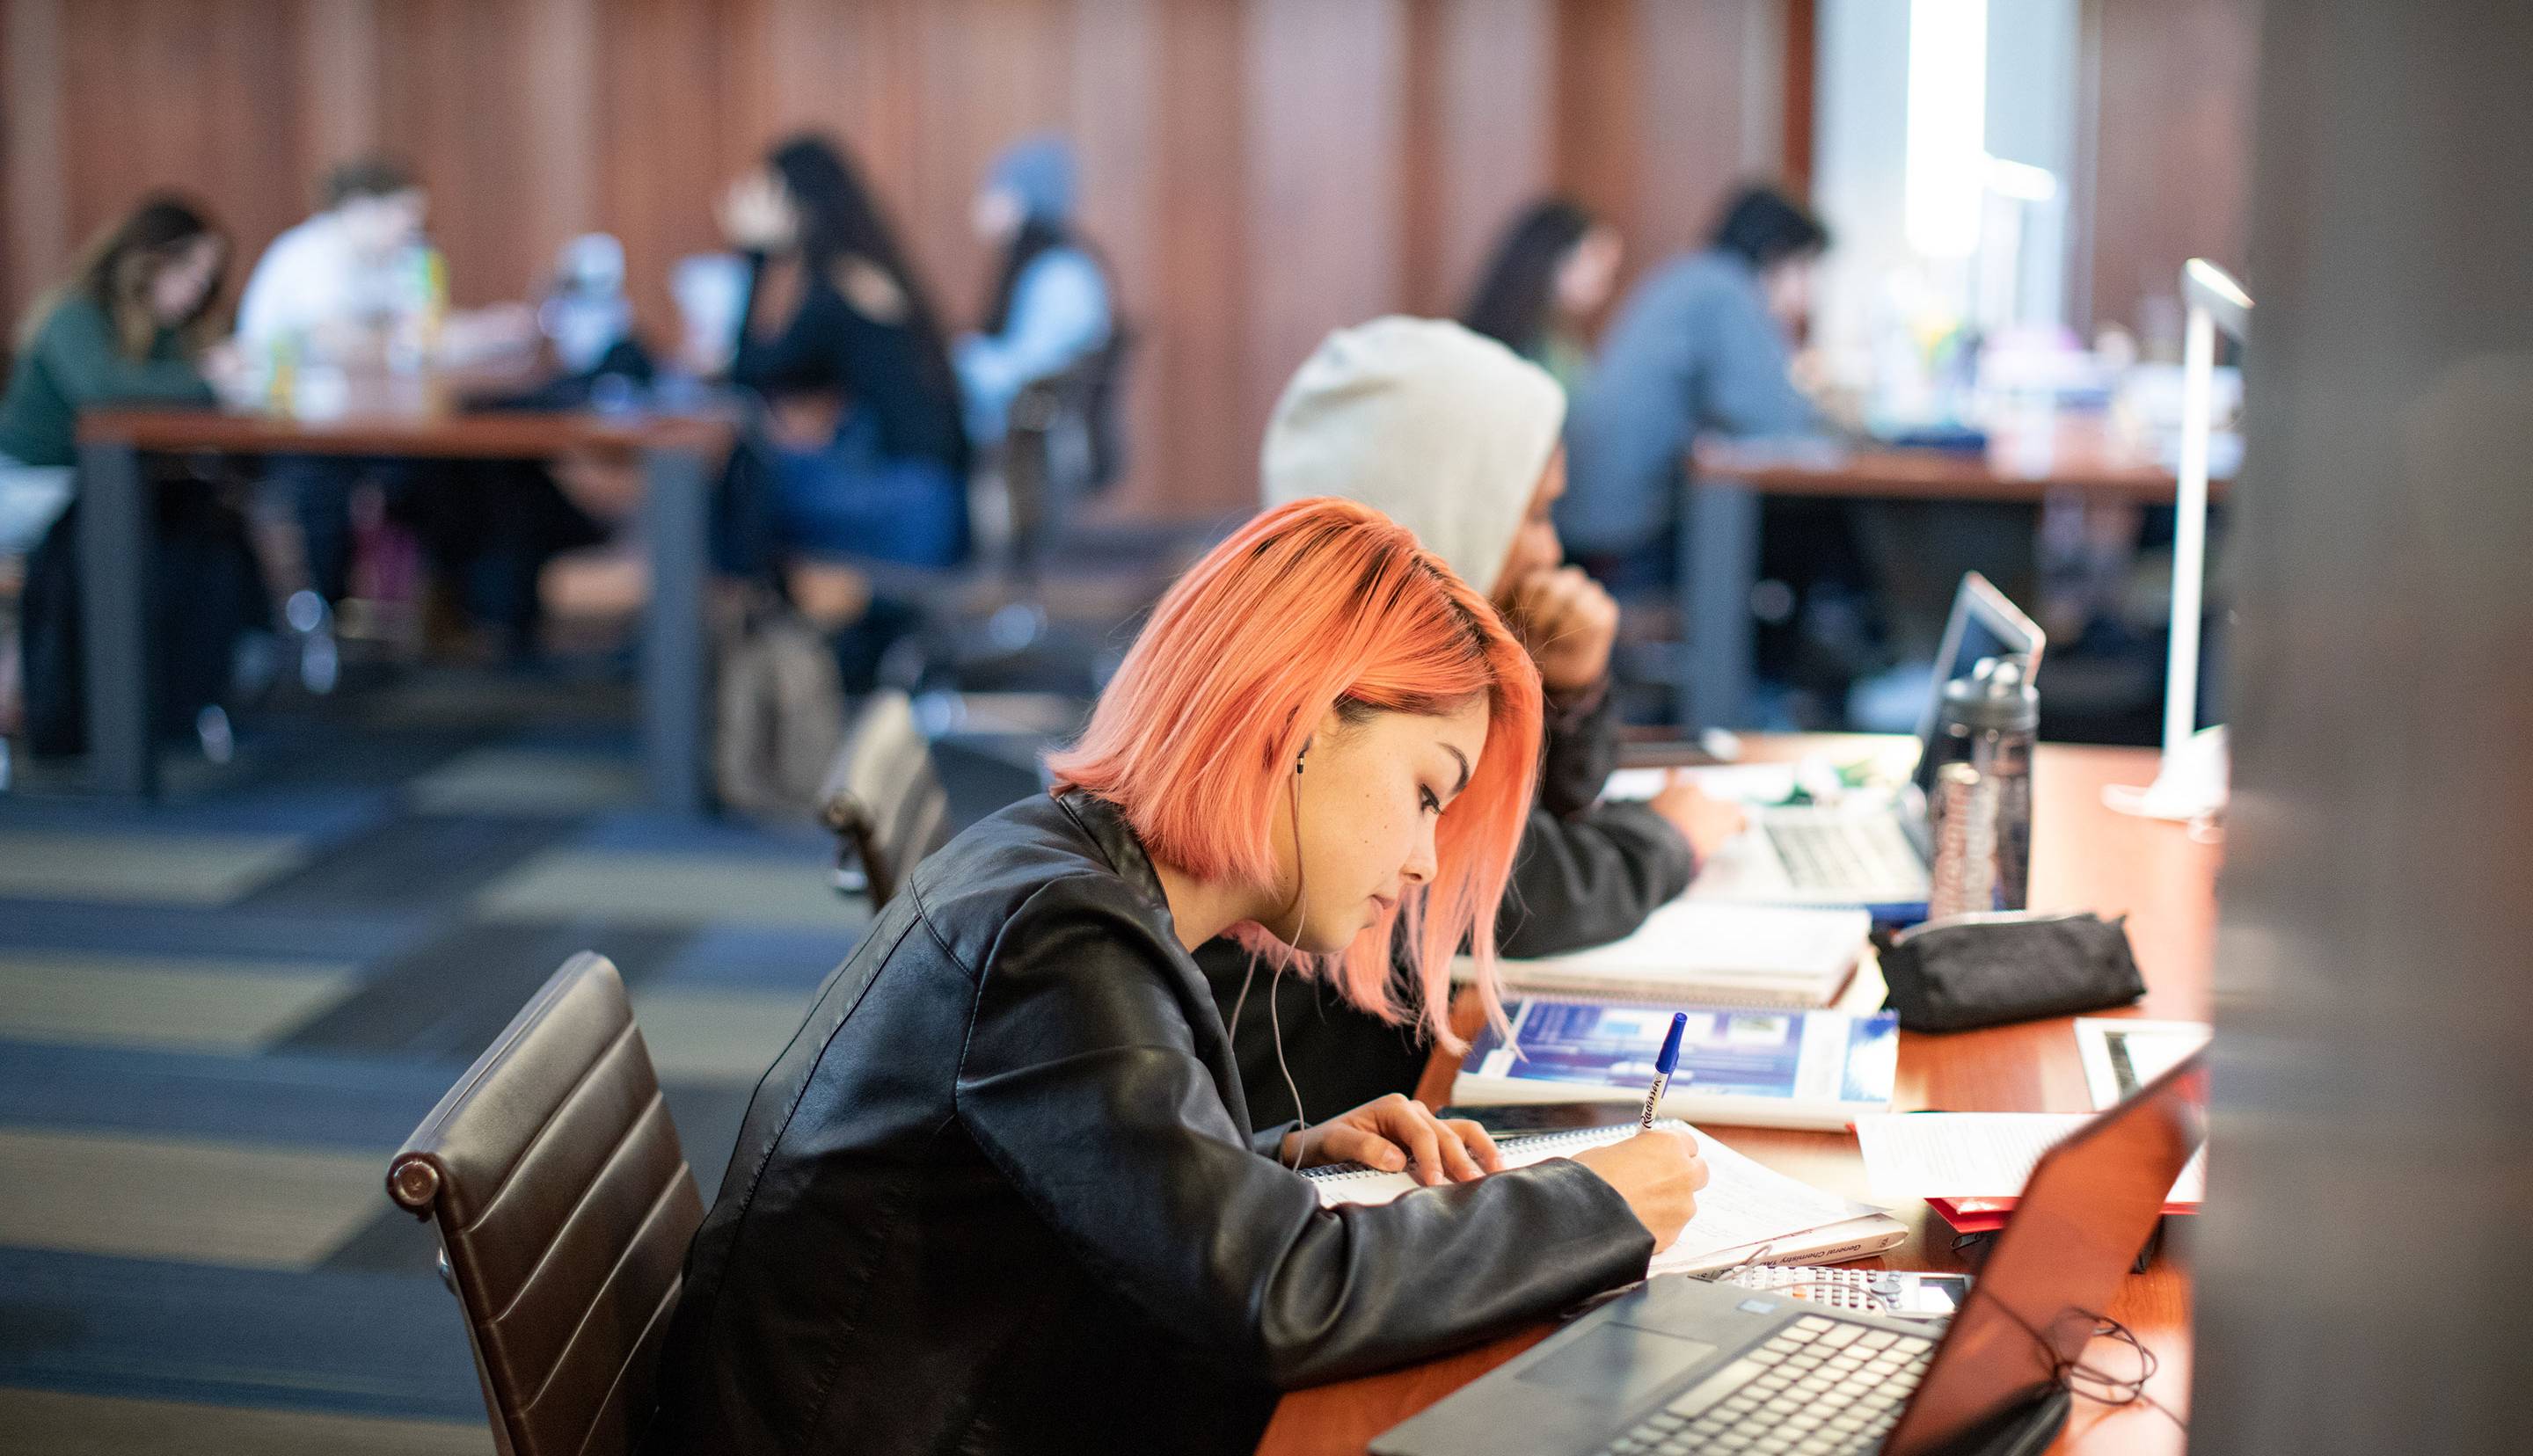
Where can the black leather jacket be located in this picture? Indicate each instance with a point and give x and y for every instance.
(999, 1195)
(1587, 873)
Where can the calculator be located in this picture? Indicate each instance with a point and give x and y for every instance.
(1887, 1292)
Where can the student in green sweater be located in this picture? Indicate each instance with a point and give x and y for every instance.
(127, 329)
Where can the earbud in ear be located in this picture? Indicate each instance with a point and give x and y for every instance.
(1300, 757)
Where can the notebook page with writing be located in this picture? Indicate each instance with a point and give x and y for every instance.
(1744, 1203)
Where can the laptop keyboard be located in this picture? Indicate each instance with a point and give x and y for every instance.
(1818, 1387)
(1833, 855)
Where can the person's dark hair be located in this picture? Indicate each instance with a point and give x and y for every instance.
(840, 220)
(1767, 227)
(365, 177)
(117, 267)
(1512, 301)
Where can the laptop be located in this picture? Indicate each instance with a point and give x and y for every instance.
(1879, 856)
(1677, 1365)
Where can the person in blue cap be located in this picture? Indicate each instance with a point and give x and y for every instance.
(1048, 305)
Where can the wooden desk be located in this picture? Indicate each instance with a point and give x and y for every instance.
(1719, 551)
(115, 524)
(2083, 856)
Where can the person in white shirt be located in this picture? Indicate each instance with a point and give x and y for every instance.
(345, 289)
(332, 289)
(335, 286)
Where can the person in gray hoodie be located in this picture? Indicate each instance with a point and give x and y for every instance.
(1456, 437)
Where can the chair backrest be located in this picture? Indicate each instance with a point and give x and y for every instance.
(883, 798)
(565, 1207)
(1102, 392)
(1063, 447)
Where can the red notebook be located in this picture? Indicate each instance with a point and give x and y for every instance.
(1987, 1215)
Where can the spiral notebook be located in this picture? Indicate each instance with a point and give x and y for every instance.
(1744, 1208)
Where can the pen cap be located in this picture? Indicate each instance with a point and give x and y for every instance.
(1669, 1057)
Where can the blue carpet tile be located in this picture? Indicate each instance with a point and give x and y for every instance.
(308, 1291)
(181, 930)
(319, 814)
(313, 1101)
(337, 1340)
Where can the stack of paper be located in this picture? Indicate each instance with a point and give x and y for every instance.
(1706, 953)
(1972, 1166)
(1745, 1207)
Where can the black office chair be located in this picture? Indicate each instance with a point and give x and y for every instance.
(1063, 447)
(994, 624)
(883, 800)
(564, 1206)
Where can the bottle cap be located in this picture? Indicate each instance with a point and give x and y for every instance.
(1997, 695)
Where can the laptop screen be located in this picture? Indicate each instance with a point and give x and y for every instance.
(2083, 1215)
(1983, 624)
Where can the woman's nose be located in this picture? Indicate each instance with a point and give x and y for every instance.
(1420, 866)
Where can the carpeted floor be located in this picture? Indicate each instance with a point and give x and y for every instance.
(219, 1014)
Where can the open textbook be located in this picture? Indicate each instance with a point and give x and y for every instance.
(1741, 1067)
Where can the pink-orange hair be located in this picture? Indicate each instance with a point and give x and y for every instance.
(1319, 604)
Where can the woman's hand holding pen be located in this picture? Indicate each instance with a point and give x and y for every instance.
(1397, 1134)
(1659, 1172)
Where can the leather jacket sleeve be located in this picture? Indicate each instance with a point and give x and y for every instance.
(1587, 873)
(1589, 878)
(1083, 1082)
(1581, 747)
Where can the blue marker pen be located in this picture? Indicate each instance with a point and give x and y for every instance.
(1662, 1065)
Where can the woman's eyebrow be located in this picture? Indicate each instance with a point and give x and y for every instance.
(1464, 769)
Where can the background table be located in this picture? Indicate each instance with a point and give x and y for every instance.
(116, 524)
(1719, 547)
(2083, 856)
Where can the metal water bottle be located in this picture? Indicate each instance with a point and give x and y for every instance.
(1979, 802)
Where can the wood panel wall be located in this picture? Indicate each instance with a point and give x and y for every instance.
(1258, 171)
(2166, 142)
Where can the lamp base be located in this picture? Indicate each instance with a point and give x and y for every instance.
(2193, 782)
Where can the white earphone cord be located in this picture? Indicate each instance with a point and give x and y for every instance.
(1275, 1015)
(1274, 1011)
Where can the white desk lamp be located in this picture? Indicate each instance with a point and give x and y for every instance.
(2192, 779)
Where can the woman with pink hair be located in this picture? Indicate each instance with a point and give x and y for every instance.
(1001, 1192)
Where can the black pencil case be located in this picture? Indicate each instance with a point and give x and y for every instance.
(1968, 971)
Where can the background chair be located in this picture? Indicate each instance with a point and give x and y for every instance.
(564, 1206)
(883, 798)
(1064, 446)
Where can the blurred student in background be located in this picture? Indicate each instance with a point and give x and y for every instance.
(335, 286)
(129, 327)
(1550, 277)
(333, 290)
(842, 339)
(1049, 305)
(357, 288)
(1706, 343)
(1452, 437)
(1703, 342)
